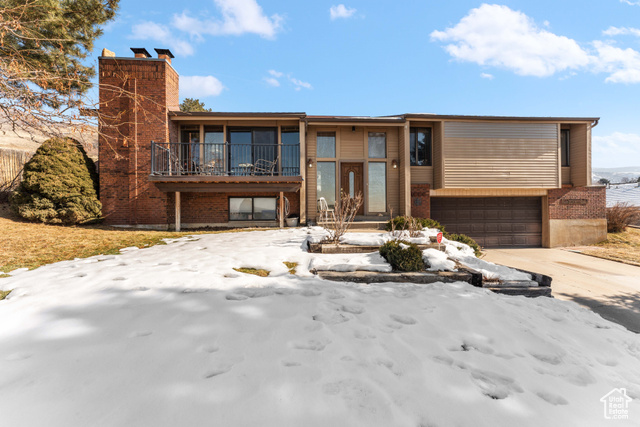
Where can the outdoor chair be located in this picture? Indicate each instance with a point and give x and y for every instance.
(326, 213)
(264, 167)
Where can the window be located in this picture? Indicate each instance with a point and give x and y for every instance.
(564, 144)
(290, 151)
(247, 145)
(377, 187)
(252, 208)
(327, 144)
(213, 150)
(190, 147)
(326, 184)
(377, 145)
(420, 147)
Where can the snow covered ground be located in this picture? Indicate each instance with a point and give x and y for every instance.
(173, 336)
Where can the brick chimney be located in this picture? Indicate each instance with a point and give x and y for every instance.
(164, 54)
(140, 52)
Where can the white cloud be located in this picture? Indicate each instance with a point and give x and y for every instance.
(200, 86)
(148, 30)
(632, 3)
(498, 36)
(623, 65)
(299, 84)
(275, 73)
(238, 17)
(272, 81)
(341, 11)
(616, 149)
(486, 76)
(620, 31)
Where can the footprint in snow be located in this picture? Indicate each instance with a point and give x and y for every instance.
(310, 293)
(313, 345)
(405, 320)
(18, 356)
(552, 359)
(353, 309)
(236, 297)
(138, 334)
(290, 364)
(118, 279)
(551, 398)
(81, 275)
(218, 370)
(331, 318)
(209, 348)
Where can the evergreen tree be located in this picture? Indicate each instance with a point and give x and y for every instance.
(59, 185)
(193, 105)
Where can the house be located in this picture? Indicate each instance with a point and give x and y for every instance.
(505, 181)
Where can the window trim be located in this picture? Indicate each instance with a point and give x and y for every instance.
(275, 213)
(415, 130)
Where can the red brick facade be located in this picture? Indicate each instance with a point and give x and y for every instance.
(577, 203)
(213, 208)
(135, 98)
(420, 200)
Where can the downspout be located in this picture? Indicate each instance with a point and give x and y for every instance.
(135, 144)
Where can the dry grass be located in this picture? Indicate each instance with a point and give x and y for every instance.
(3, 294)
(255, 272)
(623, 247)
(30, 245)
(291, 266)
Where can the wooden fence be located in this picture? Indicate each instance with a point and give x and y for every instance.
(11, 164)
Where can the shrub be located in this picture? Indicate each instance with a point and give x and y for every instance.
(462, 238)
(59, 185)
(402, 223)
(620, 215)
(402, 255)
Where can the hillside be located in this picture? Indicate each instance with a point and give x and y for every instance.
(615, 174)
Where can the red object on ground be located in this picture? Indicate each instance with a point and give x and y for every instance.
(439, 237)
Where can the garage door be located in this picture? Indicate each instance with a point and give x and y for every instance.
(492, 221)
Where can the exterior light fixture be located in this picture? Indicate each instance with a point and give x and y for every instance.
(310, 163)
(394, 164)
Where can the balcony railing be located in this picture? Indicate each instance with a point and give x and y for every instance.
(184, 158)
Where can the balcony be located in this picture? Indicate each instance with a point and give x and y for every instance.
(226, 168)
(173, 159)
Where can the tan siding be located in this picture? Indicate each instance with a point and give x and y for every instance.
(579, 155)
(304, 169)
(351, 143)
(311, 174)
(438, 160)
(498, 155)
(404, 173)
(422, 175)
(393, 175)
(566, 175)
(488, 192)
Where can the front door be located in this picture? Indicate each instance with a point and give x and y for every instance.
(352, 181)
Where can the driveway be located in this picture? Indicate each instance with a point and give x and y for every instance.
(609, 288)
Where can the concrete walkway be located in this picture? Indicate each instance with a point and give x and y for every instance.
(609, 288)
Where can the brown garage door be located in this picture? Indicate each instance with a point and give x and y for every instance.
(492, 221)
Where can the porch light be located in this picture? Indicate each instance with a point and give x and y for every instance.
(310, 163)
(394, 164)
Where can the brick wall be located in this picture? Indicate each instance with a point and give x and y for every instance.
(202, 208)
(577, 203)
(135, 96)
(420, 200)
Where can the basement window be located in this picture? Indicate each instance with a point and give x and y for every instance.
(252, 208)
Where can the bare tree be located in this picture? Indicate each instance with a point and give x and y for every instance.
(344, 213)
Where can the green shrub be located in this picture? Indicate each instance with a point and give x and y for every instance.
(59, 185)
(462, 238)
(407, 258)
(401, 223)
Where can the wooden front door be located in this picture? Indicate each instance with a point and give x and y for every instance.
(352, 181)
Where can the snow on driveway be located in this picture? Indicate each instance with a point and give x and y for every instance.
(173, 336)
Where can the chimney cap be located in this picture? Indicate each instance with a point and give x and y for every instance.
(166, 52)
(141, 50)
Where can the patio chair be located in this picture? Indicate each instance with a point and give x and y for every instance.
(325, 211)
(264, 167)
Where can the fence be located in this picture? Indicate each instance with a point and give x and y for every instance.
(11, 164)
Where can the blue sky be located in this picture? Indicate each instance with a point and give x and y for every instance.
(517, 58)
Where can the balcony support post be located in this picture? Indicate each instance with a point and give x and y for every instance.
(282, 213)
(178, 211)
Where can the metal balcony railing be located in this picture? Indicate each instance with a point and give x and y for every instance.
(184, 158)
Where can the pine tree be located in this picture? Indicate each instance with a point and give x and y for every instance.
(193, 105)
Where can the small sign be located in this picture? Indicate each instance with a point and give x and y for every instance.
(574, 201)
(439, 237)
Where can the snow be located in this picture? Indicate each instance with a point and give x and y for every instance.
(624, 193)
(172, 335)
(350, 262)
(465, 256)
(438, 260)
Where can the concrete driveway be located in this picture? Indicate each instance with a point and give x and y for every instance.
(609, 288)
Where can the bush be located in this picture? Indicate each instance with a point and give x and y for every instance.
(620, 215)
(59, 185)
(402, 255)
(462, 238)
(402, 223)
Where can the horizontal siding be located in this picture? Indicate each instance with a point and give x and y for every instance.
(501, 130)
(438, 161)
(393, 175)
(500, 155)
(311, 175)
(351, 144)
(578, 155)
(566, 175)
(422, 175)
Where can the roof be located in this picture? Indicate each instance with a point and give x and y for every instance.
(402, 118)
(624, 193)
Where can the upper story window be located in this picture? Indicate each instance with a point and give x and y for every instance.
(377, 145)
(327, 144)
(420, 147)
(564, 147)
